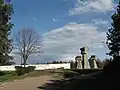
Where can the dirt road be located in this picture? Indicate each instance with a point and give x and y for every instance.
(26, 84)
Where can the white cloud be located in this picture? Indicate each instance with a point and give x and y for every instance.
(54, 20)
(64, 43)
(82, 6)
(100, 22)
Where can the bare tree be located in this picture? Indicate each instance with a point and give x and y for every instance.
(27, 42)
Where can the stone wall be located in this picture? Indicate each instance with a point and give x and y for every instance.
(38, 66)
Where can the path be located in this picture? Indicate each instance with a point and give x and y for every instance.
(26, 84)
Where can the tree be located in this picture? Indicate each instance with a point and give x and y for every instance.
(99, 63)
(113, 34)
(27, 42)
(106, 61)
(6, 11)
(103, 63)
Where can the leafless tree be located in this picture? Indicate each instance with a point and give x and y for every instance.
(27, 42)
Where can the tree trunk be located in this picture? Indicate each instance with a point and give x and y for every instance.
(21, 61)
(25, 60)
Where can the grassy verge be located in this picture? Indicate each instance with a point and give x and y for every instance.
(6, 76)
(58, 73)
(9, 76)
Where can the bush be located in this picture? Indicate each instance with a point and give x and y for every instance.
(69, 73)
(2, 73)
(112, 69)
(22, 70)
(12, 73)
(73, 65)
(86, 71)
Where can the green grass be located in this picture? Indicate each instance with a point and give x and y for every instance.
(68, 73)
(59, 73)
(8, 76)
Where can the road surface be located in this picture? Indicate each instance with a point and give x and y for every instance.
(26, 84)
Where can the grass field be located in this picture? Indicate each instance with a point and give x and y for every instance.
(8, 76)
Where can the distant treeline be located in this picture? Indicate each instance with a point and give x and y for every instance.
(102, 63)
(58, 62)
(55, 62)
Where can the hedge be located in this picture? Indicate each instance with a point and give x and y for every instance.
(86, 71)
(22, 70)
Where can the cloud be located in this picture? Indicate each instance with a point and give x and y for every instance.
(82, 6)
(64, 43)
(100, 22)
(54, 20)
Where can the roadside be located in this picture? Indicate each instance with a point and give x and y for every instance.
(53, 80)
(30, 83)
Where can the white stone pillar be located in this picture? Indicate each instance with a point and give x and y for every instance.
(93, 61)
(79, 62)
(84, 52)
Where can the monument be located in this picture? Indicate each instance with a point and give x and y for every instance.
(82, 62)
(84, 52)
(92, 62)
(79, 62)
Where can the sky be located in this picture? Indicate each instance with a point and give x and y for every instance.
(65, 26)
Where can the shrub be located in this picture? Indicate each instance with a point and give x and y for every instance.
(22, 70)
(73, 65)
(69, 73)
(12, 73)
(112, 69)
(2, 73)
(87, 71)
(61, 68)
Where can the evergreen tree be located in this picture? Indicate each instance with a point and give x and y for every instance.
(6, 11)
(113, 34)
